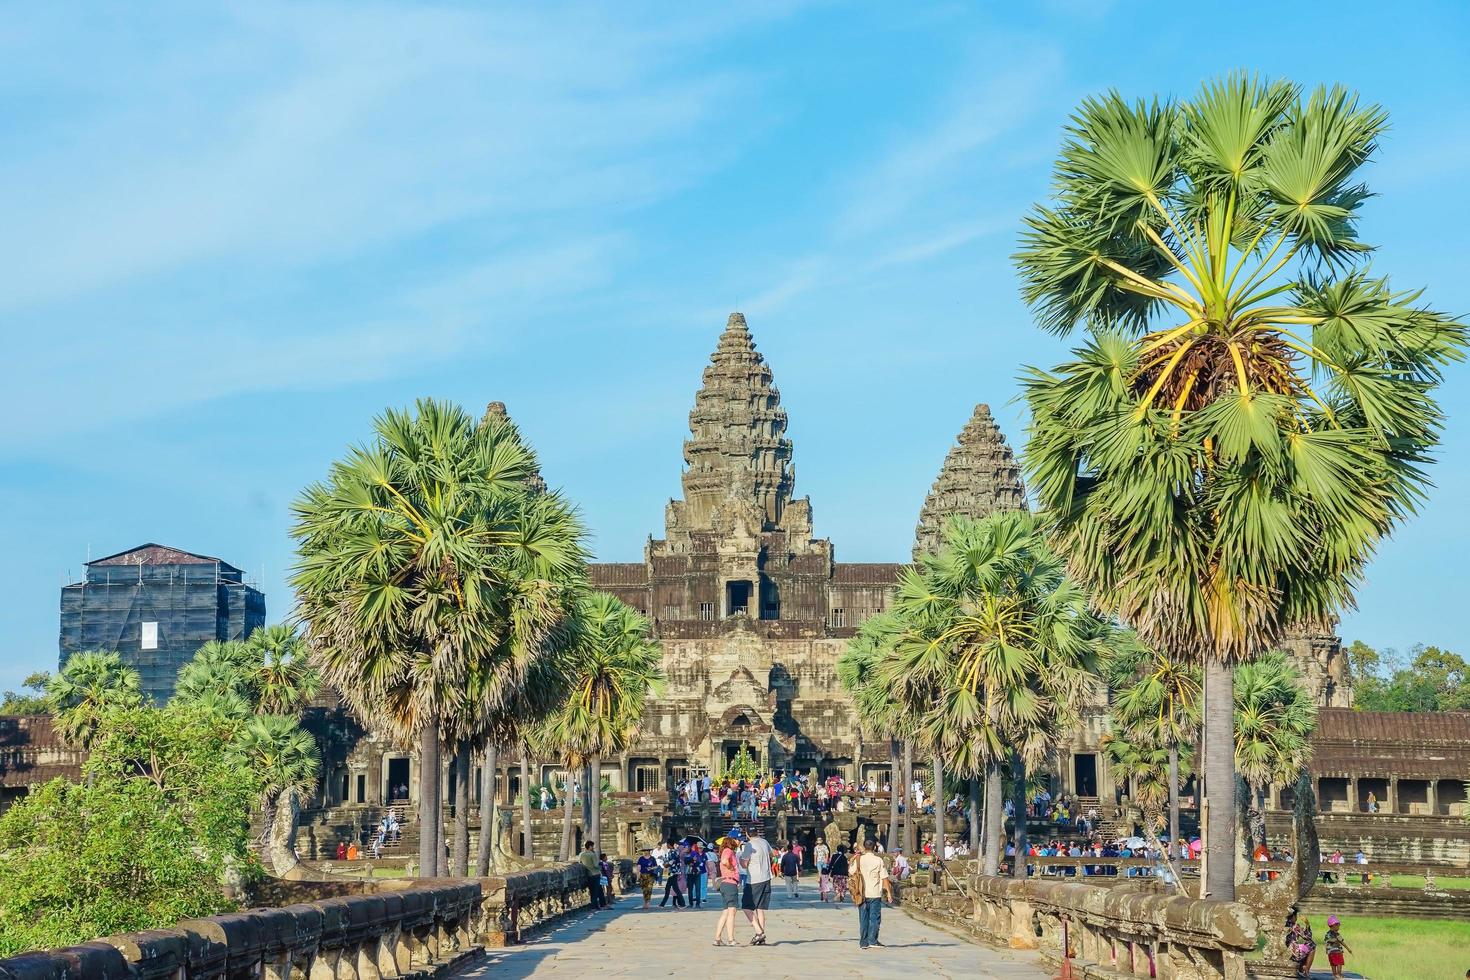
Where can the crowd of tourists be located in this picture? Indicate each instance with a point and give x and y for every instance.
(740, 869)
(750, 799)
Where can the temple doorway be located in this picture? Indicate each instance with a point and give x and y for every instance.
(397, 781)
(1084, 774)
(737, 598)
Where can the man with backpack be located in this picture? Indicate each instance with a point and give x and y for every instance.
(871, 887)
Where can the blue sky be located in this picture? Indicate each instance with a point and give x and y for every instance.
(232, 236)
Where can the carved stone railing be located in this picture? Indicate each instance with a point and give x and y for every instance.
(414, 932)
(515, 904)
(1114, 931)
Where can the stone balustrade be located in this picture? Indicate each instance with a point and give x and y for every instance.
(1115, 931)
(392, 929)
(515, 904)
(415, 932)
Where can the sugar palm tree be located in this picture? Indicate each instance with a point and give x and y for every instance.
(615, 666)
(1252, 410)
(89, 685)
(879, 715)
(995, 651)
(1274, 721)
(217, 667)
(285, 760)
(1157, 705)
(408, 582)
(284, 678)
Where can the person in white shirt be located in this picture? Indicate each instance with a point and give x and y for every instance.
(877, 889)
(755, 858)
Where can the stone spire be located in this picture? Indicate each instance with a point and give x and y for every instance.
(495, 414)
(738, 456)
(980, 476)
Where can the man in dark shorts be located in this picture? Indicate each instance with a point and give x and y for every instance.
(756, 858)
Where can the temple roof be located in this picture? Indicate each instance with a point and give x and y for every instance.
(32, 752)
(1422, 745)
(737, 453)
(980, 476)
(157, 554)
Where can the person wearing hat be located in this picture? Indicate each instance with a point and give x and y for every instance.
(646, 866)
(1335, 945)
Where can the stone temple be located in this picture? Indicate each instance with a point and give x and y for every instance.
(753, 610)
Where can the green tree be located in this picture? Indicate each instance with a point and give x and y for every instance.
(995, 649)
(285, 759)
(880, 716)
(1252, 411)
(615, 665)
(1156, 704)
(89, 685)
(282, 674)
(21, 703)
(1274, 721)
(409, 579)
(218, 668)
(155, 834)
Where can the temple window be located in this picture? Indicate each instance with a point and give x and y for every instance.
(838, 618)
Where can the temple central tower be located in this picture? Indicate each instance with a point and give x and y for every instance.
(737, 455)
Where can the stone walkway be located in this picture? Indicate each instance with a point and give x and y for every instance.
(806, 939)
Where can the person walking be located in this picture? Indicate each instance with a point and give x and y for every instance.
(674, 878)
(646, 866)
(728, 866)
(870, 888)
(790, 869)
(839, 873)
(593, 867)
(695, 878)
(755, 856)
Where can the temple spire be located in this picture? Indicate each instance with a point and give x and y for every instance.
(738, 457)
(980, 476)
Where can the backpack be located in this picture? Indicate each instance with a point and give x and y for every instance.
(856, 881)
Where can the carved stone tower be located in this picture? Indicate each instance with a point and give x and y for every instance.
(739, 476)
(980, 476)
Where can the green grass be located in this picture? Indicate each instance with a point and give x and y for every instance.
(387, 872)
(1417, 881)
(1399, 949)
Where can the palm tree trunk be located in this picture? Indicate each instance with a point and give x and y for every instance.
(938, 808)
(429, 802)
(975, 815)
(910, 819)
(587, 802)
(566, 817)
(1018, 803)
(484, 851)
(1174, 796)
(895, 793)
(1220, 781)
(994, 817)
(527, 850)
(594, 790)
(461, 867)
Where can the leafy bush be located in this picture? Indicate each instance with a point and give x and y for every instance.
(156, 833)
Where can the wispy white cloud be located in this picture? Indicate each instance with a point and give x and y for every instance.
(241, 152)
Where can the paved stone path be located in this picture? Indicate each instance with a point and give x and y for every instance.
(806, 940)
